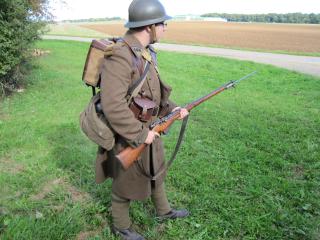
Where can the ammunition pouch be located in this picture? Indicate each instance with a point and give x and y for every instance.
(143, 108)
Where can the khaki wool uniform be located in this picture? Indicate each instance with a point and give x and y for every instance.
(119, 72)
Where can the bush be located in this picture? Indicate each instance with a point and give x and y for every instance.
(21, 22)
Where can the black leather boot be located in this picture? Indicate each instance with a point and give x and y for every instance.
(127, 234)
(173, 214)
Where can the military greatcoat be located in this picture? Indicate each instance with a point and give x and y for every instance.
(119, 72)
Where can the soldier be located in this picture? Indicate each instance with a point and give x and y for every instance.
(120, 70)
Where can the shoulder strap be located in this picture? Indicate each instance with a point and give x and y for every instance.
(135, 88)
(137, 60)
(153, 54)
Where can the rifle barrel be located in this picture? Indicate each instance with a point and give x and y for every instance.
(226, 86)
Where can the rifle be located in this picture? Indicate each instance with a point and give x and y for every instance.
(129, 155)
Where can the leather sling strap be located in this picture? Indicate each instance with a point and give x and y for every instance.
(167, 165)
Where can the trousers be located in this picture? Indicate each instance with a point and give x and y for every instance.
(120, 207)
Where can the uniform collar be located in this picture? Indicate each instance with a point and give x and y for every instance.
(133, 42)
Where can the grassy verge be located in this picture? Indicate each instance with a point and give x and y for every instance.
(248, 169)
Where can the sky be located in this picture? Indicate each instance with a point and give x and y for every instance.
(82, 9)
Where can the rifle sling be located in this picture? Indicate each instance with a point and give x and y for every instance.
(165, 167)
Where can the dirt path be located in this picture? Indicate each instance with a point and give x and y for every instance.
(303, 64)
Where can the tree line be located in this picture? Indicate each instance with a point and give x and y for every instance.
(311, 18)
(94, 19)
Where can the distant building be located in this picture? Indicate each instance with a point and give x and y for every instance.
(190, 17)
(215, 19)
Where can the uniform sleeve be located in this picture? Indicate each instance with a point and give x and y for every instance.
(115, 80)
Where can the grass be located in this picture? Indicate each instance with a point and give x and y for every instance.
(248, 168)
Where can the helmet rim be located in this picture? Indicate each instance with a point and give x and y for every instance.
(146, 22)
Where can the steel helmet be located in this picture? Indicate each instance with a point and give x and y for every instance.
(146, 12)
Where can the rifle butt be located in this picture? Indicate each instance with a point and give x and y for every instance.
(129, 155)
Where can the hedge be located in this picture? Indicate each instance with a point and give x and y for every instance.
(21, 22)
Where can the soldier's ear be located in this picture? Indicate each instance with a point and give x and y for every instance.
(148, 29)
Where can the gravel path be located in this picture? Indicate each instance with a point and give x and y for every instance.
(303, 64)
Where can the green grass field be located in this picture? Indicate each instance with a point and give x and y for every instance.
(249, 167)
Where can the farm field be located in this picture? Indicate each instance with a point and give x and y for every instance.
(248, 168)
(295, 38)
(73, 29)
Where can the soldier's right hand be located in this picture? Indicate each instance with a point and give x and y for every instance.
(151, 136)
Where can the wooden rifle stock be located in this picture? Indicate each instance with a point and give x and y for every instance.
(129, 155)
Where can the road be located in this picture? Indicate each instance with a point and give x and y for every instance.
(302, 64)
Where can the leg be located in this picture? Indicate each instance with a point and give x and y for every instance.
(120, 212)
(121, 220)
(160, 200)
(164, 211)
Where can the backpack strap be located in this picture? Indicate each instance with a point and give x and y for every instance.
(136, 58)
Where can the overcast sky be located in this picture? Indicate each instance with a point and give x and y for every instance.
(75, 9)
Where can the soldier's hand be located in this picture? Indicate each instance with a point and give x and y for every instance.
(183, 112)
(151, 136)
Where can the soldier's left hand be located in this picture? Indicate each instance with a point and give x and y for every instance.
(183, 112)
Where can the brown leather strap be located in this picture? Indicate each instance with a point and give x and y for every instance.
(165, 166)
(154, 33)
(137, 61)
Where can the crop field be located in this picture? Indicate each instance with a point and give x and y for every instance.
(271, 37)
(73, 29)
